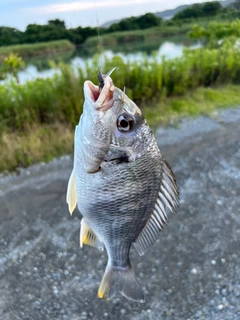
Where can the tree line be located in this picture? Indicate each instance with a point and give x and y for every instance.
(208, 9)
(56, 29)
(199, 10)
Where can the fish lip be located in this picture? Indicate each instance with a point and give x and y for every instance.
(100, 98)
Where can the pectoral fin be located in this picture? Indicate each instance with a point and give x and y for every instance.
(87, 236)
(72, 193)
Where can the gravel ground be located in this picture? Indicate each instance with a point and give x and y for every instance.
(192, 272)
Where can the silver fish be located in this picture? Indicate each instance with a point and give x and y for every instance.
(120, 182)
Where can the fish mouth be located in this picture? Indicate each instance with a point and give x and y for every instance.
(101, 95)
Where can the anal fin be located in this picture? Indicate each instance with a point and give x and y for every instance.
(87, 236)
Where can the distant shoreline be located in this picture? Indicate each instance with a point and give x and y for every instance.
(37, 49)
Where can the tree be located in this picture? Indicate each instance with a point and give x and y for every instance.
(114, 27)
(10, 36)
(211, 8)
(194, 11)
(38, 33)
(57, 23)
(148, 20)
(128, 24)
(199, 10)
(145, 21)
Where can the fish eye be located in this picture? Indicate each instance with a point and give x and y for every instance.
(125, 122)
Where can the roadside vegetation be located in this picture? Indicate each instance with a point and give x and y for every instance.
(37, 119)
(44, 141)
(60, 97)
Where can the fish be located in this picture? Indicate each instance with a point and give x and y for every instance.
(120, 182)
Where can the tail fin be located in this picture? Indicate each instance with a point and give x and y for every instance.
(121, 280)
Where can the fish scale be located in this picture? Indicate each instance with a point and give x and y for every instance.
(129, 223)
(120, 182)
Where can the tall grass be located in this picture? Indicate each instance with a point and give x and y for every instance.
(37, 118)
(61, 97)
(42, 142)
(37, 143)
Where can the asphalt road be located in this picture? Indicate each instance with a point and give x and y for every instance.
(192, 272)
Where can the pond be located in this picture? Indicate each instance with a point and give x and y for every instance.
(169, 47)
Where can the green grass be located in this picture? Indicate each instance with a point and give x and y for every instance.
(37, 49)
(202, 101)
(37, 119)
(37, 143)
(43, 142)
(60, 97)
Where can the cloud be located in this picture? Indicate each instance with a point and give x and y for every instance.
(85, 5)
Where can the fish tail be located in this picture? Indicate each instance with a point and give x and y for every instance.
(117, 279)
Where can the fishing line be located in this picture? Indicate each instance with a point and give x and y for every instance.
(100, 46)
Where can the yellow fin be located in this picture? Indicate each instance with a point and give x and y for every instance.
(87, 236)
(72, 193)
(119, 279)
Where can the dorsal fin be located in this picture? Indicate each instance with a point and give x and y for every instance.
(168, 196)
(87, 236)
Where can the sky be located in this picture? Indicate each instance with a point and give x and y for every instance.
(19, 13)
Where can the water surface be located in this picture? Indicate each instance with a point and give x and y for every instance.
(172, 47)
